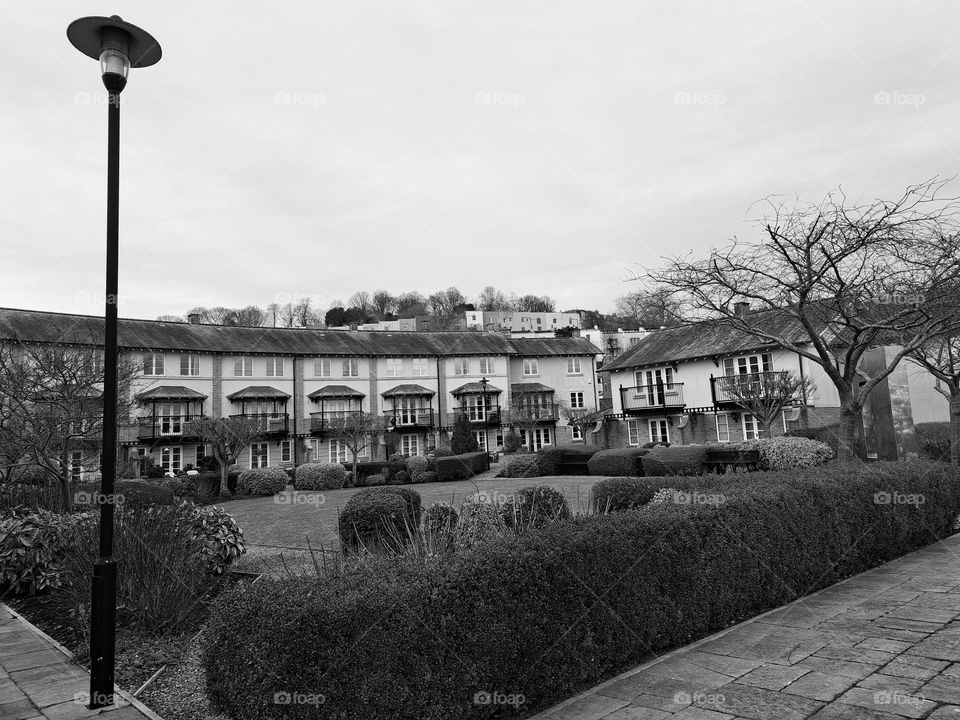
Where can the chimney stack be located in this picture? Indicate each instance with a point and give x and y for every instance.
(741, 308)
(193, 318)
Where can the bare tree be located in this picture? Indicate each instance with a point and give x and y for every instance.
(411, 304)
(302, 313)
(382, 303)
(527, 412)
(536, 303)
(765, 394)
(273, 314)
(227, 438)
(940, 356)
(249, 316)
(837, 279)
(652, 309)
(51, 400)
(445, 305)
(361, 302)
(355, 430)
(170, 318)
(581, 418)
(492, 300)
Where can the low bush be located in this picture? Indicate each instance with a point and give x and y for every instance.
(262, 481)
(375, 479)
(786, 453)
(460, 467)
(401, 478)
(679, 459)
(427, 476)
(439, 523)
(142, 492)
(479, 521)
(550, 457)
(519, 466)
(533, 507)
(933, 440)
(512, 441)
(829, 434)
(320, 476)
(617, 494)
(417, 464)
(31, 545)
(520, 614)
(379, 518)
(222, 537)
(651, 467)
(617, 463)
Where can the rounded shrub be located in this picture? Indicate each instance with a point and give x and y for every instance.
(478, 521)
(617, 463)
(262, 481)
(619, 494)
(417, 464)
(788, 453)
(520, 466)
(427, 476)
(534, 506)
(680, 459)
(320, 476)
(379, 518)
(375, 479)
(402, 478)
(221, 535)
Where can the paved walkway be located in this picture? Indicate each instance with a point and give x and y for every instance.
(881, 645)
(38, 679)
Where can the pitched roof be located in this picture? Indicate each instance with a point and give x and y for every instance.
(171, 392)
(704, 340)
(401, 390)
(530, 387)
(258, 392)
(475, 388)
(38, 326)
(339, 391)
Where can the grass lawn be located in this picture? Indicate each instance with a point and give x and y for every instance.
(288, 520)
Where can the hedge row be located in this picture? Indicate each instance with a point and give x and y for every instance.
(461, 467)
(520, 615)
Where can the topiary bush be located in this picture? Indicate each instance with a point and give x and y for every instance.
(651, 467)
(320, 476)
(520, 466)
(375, 479)
(679, 459)
(786, 453)
(533, 507)
(617, 494)
(617, 463)
(402, 478)
(262, 481)
(427, 476)
(379, 518)
(933, 440)
(666, 578)
(417, 464)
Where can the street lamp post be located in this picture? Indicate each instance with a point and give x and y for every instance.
(118, 46)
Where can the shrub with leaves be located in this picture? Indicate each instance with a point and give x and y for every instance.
(427, 476)
(31, 545)
(933, 440)
(262, 481)
(417, 464)
(533, 507)
(402, 478)
(479, 520)
(679, 459)
(618, 494)
(379, 518)
(664, 496)
(320, 476)
(222, 537)
(520, 466)
(617, 463)
(788, 453)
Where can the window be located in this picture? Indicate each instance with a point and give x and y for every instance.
(274, 367)
(394, 367)
(321, 367)
(461, 366)
(419, 367)
(481, 437)
(723, 428)
(189, 364)
(201, 452)
(573, 366)
(337, 452)
(576, 432)
(259, 455)
(531, 367)
(576, 400)
(748, 364)
(170, 459)
(243, 367)
(659, 431)
(153, 363)
(656, 388)
(351, 367)
(486, 366)
(633, 432)
(285, 451)
(751, 431)
(410, 445)
(76, 465)
(537, 438)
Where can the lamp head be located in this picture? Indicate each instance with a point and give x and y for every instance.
(118, 46)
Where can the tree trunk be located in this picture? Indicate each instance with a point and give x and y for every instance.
(765, 426)
(223, 478)
(850, 413)
(64, 479)
(353, 480)
(954, 425)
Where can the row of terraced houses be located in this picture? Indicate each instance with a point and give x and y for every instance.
(291, 381)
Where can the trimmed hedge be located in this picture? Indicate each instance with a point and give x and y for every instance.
(320, 476)
(617, 463)
(520, 466)
(262, 481)
(379, 517)
(460, 467)
(550, 457)
(788, 453)
(617, 494)
(678, 459)
(533, 507)
(349, 638)
(933, 440)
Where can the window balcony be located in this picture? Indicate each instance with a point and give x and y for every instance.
(320, 422)
(410, 418)
(730, 389)
(479, 415)
(268, 423)
(540, 412)
(158, 427)
(660, 397)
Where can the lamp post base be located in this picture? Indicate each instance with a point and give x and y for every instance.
(103, 611)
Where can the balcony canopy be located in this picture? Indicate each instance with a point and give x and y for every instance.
(407, 391)
(258, 392)
(170, 392)
(335, 391)
(530, 387)
(475, 388)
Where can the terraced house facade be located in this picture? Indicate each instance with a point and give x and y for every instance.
(292, 381)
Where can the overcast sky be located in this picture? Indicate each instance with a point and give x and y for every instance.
(288, 149)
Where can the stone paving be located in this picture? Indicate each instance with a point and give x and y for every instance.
(39, 681)
(881, 645)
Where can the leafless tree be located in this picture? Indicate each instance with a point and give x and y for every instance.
(382, 303)
(51, 400)
(411, 304)
(445, 305)
(765, 395)
(835, 279)
(651, 310)
(227, 438)
(303, 314)
(249, 316)
(170, 318)
(581, 418)
(492, 300)
(940, 356)
(536, 303)
(357, 431)
(361, 301)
